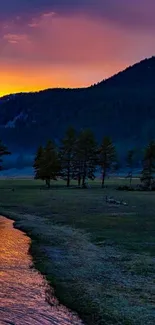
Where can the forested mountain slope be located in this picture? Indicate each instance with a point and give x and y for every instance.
(122, 107)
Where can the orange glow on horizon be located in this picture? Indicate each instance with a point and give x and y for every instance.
(66, 51)
(16, 80)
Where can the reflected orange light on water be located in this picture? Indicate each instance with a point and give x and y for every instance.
(24, 292)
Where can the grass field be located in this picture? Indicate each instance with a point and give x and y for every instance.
(100, 258)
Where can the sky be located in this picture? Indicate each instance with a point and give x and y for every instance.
(71, 43)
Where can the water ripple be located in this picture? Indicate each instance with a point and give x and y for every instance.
(23, 290)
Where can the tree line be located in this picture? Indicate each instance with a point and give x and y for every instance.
(76, 158)
(79, 156)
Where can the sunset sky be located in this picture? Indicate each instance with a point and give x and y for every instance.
(71, 43)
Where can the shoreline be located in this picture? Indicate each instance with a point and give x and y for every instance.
(66, 296)
(40, 295)
(39, 260)
(65, 265)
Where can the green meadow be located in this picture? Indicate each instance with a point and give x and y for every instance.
(98, 257)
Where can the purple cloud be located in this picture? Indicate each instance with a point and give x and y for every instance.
(133, 13)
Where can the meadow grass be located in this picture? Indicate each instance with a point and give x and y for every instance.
(99, 258)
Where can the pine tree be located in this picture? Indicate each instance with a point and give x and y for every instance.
(130, 161)
(51, 165)
(148, 165)
(85, 163)
(47, 164)
(3, 152)
(106, 157)
(67, 155)
(38, 163)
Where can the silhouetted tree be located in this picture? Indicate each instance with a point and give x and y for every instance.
(85, 159)
(106, 157)
(3, 152)
(51, 163)
(148, 165)
(47, 166)
(39, 163)
(67, 155)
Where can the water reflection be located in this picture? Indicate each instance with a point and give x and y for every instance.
(23, 289)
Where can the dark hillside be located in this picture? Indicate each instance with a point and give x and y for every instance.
(122, 106)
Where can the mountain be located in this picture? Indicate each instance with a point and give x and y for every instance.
(122, 106)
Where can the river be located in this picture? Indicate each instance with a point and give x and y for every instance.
(23, 290)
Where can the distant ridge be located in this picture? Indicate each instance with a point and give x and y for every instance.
(140, 67)
(129, 69)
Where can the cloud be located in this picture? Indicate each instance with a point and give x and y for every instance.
(46, 43)
(16, 38)
(61, 40)
(133, 13)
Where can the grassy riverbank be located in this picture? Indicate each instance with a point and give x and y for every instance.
(99, 258)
